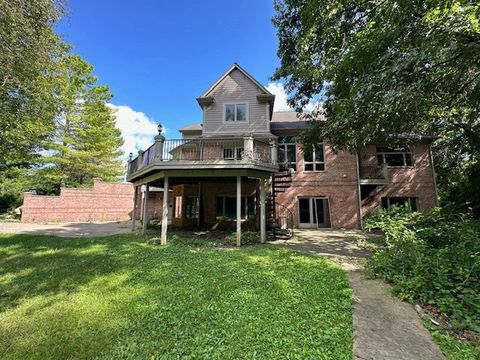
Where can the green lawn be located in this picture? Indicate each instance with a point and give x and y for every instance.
(120, 298)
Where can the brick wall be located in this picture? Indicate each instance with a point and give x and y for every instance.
(338, 183)
(103, 202)
(415, 181)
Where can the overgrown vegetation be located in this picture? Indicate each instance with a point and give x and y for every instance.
(435, 261)
(120, 297)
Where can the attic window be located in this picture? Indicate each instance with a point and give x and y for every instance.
(235, 112)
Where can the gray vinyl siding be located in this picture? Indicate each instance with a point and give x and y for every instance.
(235, 88)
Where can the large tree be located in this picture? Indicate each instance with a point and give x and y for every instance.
(86, 142)
(28, 50)
(386, 67)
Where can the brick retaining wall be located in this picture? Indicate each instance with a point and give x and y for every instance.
(103, 202)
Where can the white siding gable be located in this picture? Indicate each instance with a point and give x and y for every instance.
(235, 88)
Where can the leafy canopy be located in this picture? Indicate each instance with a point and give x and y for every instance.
(385, 66)
(28, 49)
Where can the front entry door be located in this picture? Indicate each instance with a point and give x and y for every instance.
(313, 212)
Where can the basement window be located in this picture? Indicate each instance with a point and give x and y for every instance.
(192, 207)
(227, 207)
(394, 156)
(409, 203)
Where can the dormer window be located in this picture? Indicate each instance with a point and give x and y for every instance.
(236, 112)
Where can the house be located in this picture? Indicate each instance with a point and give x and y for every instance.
(241, 167)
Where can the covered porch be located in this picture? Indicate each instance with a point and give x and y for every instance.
(218, 199)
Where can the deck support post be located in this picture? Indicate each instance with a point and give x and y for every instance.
(134, 211)
(239, 211)
(163, 239)
(144, 212)
(263, 222)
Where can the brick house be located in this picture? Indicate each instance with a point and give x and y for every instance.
(241, 167)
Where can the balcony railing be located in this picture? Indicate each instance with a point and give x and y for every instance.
(241, 150)
(373, 174)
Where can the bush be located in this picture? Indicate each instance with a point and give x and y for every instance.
(434, 260)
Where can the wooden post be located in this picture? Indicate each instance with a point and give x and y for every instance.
(134, 212)
(163, 239)
(145, 215)
(239, 211)
(263, 222)
(199, 203)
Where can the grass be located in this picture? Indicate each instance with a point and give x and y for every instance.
(120, 297)
(453, 348)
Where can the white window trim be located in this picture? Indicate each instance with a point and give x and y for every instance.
(316, 162)
(403, 153)
(311, 209)
(408, 198)
(236, 121)
(296, 157)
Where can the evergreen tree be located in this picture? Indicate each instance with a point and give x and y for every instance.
(86, 143)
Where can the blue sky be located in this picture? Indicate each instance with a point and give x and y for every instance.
(158, 56)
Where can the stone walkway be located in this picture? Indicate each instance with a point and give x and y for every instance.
(385, 327)
(68, 229)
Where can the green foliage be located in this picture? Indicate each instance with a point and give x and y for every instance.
(28, 49)
(54, 120)
(247, 238)
(452, 347)
(86, 143)
(434, 259)
(119, 297)
(389, 67)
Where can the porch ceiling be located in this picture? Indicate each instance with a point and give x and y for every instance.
(177, 177)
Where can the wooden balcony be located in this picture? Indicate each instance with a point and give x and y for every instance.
(204, 154)
(373, 175)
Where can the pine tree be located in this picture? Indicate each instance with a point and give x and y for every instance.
(86, 143)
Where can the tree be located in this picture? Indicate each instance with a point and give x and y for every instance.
(385, 67)
(86, 143)
(28, 49)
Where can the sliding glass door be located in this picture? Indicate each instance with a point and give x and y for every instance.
(314, 212)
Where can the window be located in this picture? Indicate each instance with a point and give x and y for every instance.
(287, 153)
(192, 205)
(398, 156)
(314, 158)
(177, 207)
(406, 202)
(227, 207)
(233, 153)
(235, 112)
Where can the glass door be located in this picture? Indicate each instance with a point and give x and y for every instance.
(313, 213)
(322, 213)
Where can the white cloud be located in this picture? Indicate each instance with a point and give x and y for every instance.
(138, 130)
(281, 96)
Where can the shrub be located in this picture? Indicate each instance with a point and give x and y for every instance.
(434, 260)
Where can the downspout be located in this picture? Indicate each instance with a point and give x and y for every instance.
(434, 174)
(360, 213)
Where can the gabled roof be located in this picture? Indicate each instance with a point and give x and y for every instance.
(235, 66)
(192, 127)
